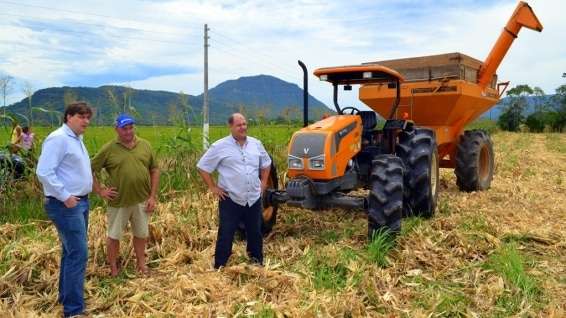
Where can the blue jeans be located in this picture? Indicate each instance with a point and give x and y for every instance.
(72, 226)
(231, 215)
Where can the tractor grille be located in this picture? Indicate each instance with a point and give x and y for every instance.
(308, 145)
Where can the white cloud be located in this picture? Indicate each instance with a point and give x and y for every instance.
(265, 37)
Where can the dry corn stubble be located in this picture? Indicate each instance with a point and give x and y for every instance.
(317, 263)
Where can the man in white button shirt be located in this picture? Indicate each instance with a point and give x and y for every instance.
(238, 159)
(64, 171)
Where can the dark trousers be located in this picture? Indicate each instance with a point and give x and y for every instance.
(231, 215)
(72, 227)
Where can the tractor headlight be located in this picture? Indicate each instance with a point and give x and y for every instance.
(295, 163)
(317, 163)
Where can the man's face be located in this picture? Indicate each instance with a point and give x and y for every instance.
(126, 134)
(239, 127)
(78, 122)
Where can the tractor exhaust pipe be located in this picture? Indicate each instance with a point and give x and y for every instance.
(305, 94)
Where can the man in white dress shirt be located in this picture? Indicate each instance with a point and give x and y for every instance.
(64, 171)
(238, 159)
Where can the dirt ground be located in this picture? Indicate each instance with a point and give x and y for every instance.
(500, 252)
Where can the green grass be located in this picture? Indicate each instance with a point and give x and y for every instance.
(410, 224)
(264, 312)
(485, 124)
(555, 143)
(327, 274)
(511, 265)
(377, 250)
(444, 207)
(328, 236)
(178, 150)
(452, 303)
(96, 136)
(23, 212)
(476, 223)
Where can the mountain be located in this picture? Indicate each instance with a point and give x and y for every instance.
(260, 95)
(532, 103)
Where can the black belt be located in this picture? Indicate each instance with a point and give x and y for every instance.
(82, 197)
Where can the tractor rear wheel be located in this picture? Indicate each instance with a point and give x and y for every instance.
(386, 195)
(417, 148)
(474, 161)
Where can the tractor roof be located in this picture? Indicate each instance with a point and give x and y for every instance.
(358, 74)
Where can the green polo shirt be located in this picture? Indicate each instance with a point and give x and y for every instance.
(128, 170)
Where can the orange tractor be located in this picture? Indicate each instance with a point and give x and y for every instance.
(426, 101)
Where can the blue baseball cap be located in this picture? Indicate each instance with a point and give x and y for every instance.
(124, 120)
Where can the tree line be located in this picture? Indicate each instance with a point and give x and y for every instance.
(549, 113)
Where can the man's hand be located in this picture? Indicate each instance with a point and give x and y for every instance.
(150, 205)
(71, 202)
(108, 193)
(219, 192)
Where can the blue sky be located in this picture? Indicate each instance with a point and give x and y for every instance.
(158, 44)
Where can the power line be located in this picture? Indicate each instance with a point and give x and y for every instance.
(255, 60)
(244, 47)
(63, 30)
(73, 11)
(95, 24)
(51, 48)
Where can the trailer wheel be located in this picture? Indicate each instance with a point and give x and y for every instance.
(269, 212)
(386, 195)
(474, 161)
(417, 148)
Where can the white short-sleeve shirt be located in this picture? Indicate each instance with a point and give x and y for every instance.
(238, 167)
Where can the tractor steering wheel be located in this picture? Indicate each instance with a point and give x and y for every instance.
(353, 110)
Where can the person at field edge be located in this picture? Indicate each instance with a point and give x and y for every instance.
(15, 138)
(27, 139)
(134, 179)
(64, 171)
(238, 158)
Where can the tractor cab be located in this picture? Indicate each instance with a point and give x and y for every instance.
(372, 142)
(359, 75)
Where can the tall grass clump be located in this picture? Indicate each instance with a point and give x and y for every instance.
(327, 273)
(382, 242)
(522, 288)
(20, 196)
(178, 159)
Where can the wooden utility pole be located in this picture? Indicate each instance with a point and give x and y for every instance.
(205, 93)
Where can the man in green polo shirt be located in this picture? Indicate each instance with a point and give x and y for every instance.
(133, 181)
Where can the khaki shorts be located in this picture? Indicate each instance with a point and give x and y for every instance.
(118, 219)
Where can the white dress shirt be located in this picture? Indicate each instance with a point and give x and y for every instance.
(64, 165)
(238, 167)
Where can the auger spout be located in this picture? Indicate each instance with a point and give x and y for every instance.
(523, 16)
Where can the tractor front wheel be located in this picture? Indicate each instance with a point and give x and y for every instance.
(474, 161)
(418, 150)
(386, 195)
(269, 212)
